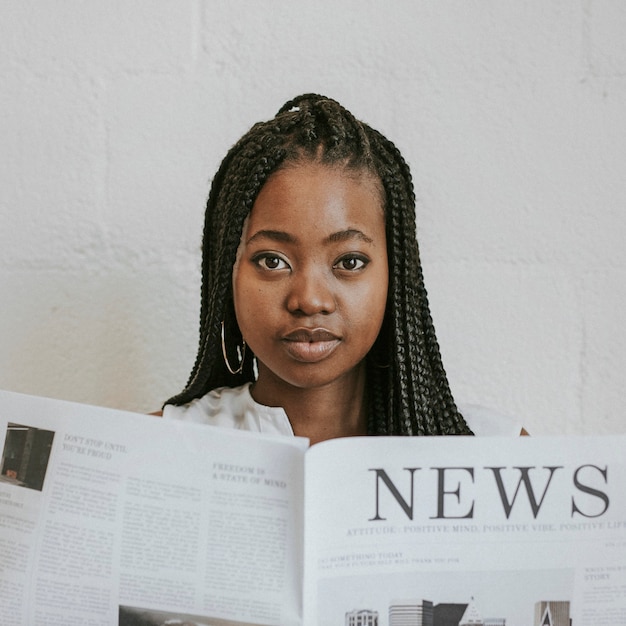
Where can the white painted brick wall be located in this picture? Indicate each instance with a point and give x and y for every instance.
(114, 116)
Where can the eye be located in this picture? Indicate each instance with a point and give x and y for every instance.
(271, 262)
(351, 263)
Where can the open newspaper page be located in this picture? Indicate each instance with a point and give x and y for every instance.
(111, 518)
(461, 530)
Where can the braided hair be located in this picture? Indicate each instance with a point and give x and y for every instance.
(408, 391)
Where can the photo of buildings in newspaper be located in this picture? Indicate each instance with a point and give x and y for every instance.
(445, 598)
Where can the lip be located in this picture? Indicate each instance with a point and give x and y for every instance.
(310, 335)
(310, 345)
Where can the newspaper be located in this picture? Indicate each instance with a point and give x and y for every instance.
(495, 531)
(112, 518)
(117, 518)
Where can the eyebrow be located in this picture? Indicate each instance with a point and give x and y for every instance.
(346, 235)
(274, 235)
(283, 237)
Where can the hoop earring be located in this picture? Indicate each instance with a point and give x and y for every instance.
(241, 351)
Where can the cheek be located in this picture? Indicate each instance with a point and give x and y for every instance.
(379, 300)
(253, 307)
(379, 289)
(367, 308)
(241, 299)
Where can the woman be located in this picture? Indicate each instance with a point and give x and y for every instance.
(314, 317)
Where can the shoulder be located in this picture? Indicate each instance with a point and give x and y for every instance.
(486, 422)
(232, 407)
(219, 407)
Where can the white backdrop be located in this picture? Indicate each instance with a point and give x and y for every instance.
(114, 116)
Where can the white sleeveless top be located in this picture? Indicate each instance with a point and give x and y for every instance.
(235, 408)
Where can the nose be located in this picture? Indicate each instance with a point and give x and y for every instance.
(311, 293)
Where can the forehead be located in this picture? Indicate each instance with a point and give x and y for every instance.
(320, 196)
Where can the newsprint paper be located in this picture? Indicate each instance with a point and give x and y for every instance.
(112, 518)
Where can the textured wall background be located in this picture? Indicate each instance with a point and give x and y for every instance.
(114, 115)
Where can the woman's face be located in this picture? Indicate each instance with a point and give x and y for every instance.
(311, 275)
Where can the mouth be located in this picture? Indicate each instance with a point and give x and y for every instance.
(310, 345)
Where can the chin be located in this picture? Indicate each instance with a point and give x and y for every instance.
(310, 378)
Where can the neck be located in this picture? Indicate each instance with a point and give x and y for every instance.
(334, 410)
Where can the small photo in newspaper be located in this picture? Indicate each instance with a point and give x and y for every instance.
(25, 456)
(136, 616)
